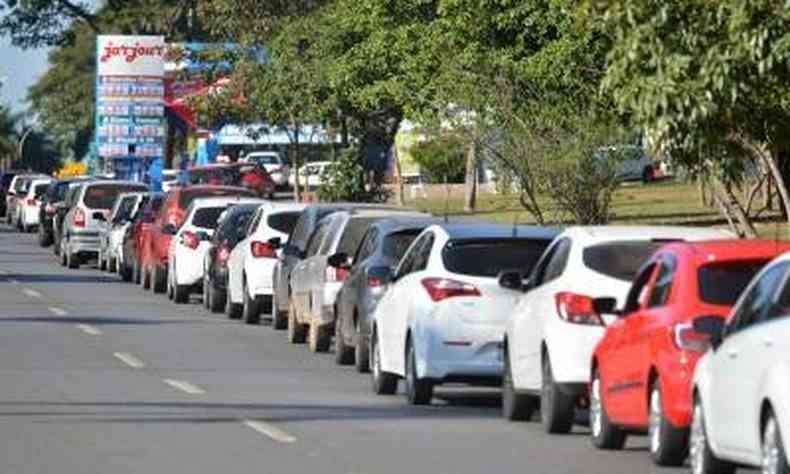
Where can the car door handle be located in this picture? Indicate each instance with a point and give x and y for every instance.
(733, 354)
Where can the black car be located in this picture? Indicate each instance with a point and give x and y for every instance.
(230, 231)
(380, 250)
(55, 194)
(147, 210)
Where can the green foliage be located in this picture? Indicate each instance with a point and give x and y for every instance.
(344, 179)
(441, 159)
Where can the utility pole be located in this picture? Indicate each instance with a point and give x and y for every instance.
(21, 146)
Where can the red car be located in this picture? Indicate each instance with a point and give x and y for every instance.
(643, 367)
(153, 256)
(246, 175)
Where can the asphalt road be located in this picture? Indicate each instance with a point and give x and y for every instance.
(97, 376)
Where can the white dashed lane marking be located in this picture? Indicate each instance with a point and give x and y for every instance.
(31, 293)
(129, 360)
(184, 386)
(89, 330)
(58, 311)
(270, 431)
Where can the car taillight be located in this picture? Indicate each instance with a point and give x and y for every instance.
(262, 250)
(79, 218)
(374, 282)
(49, 209)
(442, 288)
(336, 273)
(577, 309)
(686, 338)
(31, 202)
(222, 255)
(190, 239)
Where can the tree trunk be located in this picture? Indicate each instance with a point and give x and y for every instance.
(398, 177)
(776, 174)
(297, 161)
(470, 189)
(732, 209)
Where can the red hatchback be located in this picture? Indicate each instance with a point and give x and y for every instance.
(643, 367)
(246, 175)
(153, 257)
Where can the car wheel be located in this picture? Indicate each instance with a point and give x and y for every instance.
(344, 355)
(361, 351)
(112, 265)
(101, 262)
(56, 247)
(515, 406)
(72, 260)
(384, 383)
(206, 300)
(279, 317)
(774, 459)
(702, 458)
(557, 407)
(180, 293)
(145, 277)
(319, 338)
(418, 391)
(216, 299)
(668, 444)
(605, 435)
(125, 272)
(158, 279)
(296, 331)
(136, 272)
(250, 309)
(232, 310)
(63, 260)
(43, 239)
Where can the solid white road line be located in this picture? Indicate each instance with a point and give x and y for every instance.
(184, 386)
(129, 360)
(269, 430)
(58, 311)
(31, 293)
(89, 330)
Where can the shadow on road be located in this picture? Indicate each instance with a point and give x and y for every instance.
(55, 278)
(98, 320)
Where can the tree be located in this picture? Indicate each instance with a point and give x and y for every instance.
(8, 136)
(37, 23)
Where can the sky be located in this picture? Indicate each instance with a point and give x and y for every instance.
(19, 69)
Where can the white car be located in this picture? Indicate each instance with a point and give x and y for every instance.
(251, 262)
(443, 315)
(550, 339)
(185, 263)
(310, 174)
(741, 406)
(275, 165)
(169, 179)
(29, 204)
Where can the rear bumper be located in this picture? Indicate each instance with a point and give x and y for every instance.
(83, 242)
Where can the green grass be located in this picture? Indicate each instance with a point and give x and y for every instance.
(663, 203)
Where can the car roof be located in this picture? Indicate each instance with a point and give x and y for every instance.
(275, 206)
(114, 182)
(728, 250)
(224, 200)
(209, 187)
(637, 232)
(394, 224)
(470, 230)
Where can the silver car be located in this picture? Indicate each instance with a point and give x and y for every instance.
(111, 238)
(87, 218)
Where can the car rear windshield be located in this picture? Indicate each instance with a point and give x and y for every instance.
(283, 221)
(40, 190)
(721, 283)
(102, 196)
(620, 260)
(188, 196)
(207, 217)
(396, 244)
(59, 193)
(488, 257)
(265, 159)
(353, 233)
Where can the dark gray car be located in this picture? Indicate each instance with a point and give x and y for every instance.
(293, 252)
(380, 250)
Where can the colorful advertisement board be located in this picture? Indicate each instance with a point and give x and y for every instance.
(130, 109)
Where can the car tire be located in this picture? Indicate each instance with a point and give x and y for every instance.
(136, 272)
(232, 310)
(384, 383)
(557, 407)
(43, 239)
(296, 331)
(180, 293)
(668, 445)
(158, 279)
(344, 355)
(774, 457)
(279, 317)
(701, 456)
(125, 272)
(112, 265)
(206, 300)
(361, 352)
(318, 339)
(101, 262)
(72, 260)
(515, 406)
(418, 391)
(605, 435)
(251, 309)
(63, 260)
(145, 277)
(55, 247)
(216, 299)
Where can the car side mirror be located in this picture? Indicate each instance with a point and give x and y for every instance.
(99, 216)
(169, 229)
(339, 260)
(711, 326)
(512, 280)
(275, 242)
(606, 305)
(382, 273)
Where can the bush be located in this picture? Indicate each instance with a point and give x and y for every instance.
(344, 180)
(441, 159)
(581, 188)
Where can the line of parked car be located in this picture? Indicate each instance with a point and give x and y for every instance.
(674, 332)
